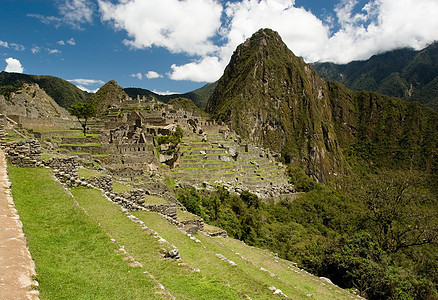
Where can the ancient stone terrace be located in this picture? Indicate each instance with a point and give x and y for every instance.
(219, 159)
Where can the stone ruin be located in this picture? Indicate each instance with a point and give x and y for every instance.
(24, 154)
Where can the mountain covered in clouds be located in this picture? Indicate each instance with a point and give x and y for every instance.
(274, 99)
(404, 73)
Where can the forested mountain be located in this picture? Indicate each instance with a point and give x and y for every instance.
(63, 92)
(272, 98)
(404, 73)
(199, 96)
(373, 225)
(109, 94)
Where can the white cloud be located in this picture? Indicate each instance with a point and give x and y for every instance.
(53, 51)
(138, 75)
(15, 46)
(301, 31)
(13, 65)
(77, 12)
(208, 69)
(71, 42)
(87, 85)
(72, 12)
(210, 32)
(179, 26)
(87, 89)
(87, 82)
(47, 19)
(164, 93)
(153, 75)
(382, 25)
(35, 49)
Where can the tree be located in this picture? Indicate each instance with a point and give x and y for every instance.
(399, 212)
(82, 111)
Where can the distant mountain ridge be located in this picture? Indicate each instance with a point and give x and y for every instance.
(272, 98)
(404, 73)
(63, 92)
(199, 96)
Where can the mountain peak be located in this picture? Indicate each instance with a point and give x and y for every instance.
(109, 94)
(273, 98)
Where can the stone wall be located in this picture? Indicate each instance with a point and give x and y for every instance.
(42, 123)
(24, 154)
(68, 165)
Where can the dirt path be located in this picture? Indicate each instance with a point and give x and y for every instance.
(16, 264)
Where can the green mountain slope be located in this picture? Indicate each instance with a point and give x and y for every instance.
(199, 96)
(272, 98)
(63, 92)
(405, 73)
(108, 95)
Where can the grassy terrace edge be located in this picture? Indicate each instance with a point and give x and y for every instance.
(74, 257)
(70, 236)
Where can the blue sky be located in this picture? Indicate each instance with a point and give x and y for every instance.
(179, 45)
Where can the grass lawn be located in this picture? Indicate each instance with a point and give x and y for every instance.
(149, 199)
(119, 187)
(247, 277)
(89, 173)
(69, 239)
(74, 257)
(177, 278)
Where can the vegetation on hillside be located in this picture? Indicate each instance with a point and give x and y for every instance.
(199, 96)
(108, 95)
(404, 73)
(374, 225)
(63, 92)
(381, 239)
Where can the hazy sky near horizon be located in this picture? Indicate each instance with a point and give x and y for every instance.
(179, 45)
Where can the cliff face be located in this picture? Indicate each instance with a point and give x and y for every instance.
(274, 99)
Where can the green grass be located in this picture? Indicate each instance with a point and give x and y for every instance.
(76, 260)
(81, 136)
(246, 277)
(47, 156)
(12, 136)
(211, 229)
(149, 199)
(57, 130)
(179, 279)
(74, 257)
(88, 173)
(185, 215)
(119, 187)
